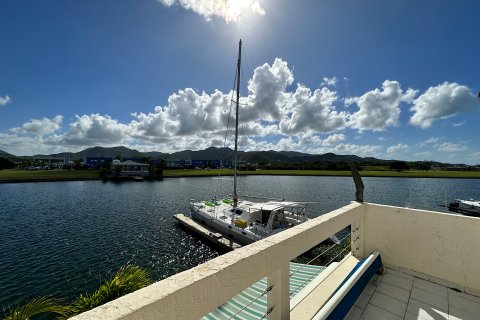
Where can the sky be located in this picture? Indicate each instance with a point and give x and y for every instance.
(386, 79)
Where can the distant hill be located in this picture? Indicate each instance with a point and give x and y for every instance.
(280, 159)
(112, 152)
(212, 153)
(8, 156)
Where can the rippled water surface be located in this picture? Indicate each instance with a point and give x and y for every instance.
(63, 238)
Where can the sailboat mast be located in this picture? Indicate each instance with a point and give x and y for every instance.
(235, 196)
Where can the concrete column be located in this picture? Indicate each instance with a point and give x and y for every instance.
(279, 297)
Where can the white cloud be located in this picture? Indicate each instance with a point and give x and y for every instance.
(378, 109)
(40, 126)
(257, 8)
(267, 92)
(423, 154)
(432, 140)
(329, 81)
(229, 10)
(268, 108)
(459, 124)
(440, 102)
(333, 139)
(314, 111)
(397, 148)
(450, 147)
(313, 144)
(91, 130)
(4, 101)
(26, 145)
(287, 144)
(186, 113)
(409, 95)
(429, 141)
(359, 150)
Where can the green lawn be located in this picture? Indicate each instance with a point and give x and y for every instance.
(46, 175)
(364, 173)
(41, 175)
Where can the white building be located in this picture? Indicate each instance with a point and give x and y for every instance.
(130, 168)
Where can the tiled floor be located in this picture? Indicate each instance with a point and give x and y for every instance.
(397, 295)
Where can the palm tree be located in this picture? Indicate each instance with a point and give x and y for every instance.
(35, 307)
(128, 279)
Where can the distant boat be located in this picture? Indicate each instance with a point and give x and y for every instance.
(467, 207)
(241, 220)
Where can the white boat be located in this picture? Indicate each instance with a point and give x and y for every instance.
(247, 221)
(241, 220)
(467, 207)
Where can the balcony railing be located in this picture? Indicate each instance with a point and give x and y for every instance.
(440, 245)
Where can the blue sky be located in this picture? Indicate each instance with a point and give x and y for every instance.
(390, 79)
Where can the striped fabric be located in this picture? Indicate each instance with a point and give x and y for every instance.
(252, 302)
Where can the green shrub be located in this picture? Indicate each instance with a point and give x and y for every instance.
(128, 279)
(35, 307)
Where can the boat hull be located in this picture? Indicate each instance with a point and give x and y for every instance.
(465, 207)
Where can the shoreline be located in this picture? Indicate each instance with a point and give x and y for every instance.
(47, 180)
(300, 173)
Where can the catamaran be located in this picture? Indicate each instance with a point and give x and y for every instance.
(239, 219)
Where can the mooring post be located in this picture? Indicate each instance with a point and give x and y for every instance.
(358, 183)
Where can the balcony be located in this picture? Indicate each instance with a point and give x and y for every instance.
(430, 271)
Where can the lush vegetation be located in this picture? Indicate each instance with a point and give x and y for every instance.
(36, 307)
(6, 164)
(128, 279)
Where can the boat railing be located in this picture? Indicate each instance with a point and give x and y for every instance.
(260, 198)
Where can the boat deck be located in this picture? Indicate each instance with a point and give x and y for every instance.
(399, 295)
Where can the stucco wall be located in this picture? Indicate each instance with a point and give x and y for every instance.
(442, 245)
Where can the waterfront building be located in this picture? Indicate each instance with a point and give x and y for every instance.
(130, 168)
(96, 162)
(49, 161)
(173, 163)
(133, 159)
(199, 163)
(230, 163)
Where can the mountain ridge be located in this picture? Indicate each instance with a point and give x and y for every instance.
(212, 153)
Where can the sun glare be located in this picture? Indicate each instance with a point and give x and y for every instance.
(236, 10)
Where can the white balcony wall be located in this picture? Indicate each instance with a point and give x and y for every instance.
(441, 245)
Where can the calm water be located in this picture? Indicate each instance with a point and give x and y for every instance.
(63, 238)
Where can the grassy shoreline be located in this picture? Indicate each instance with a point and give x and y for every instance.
(14, 175)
